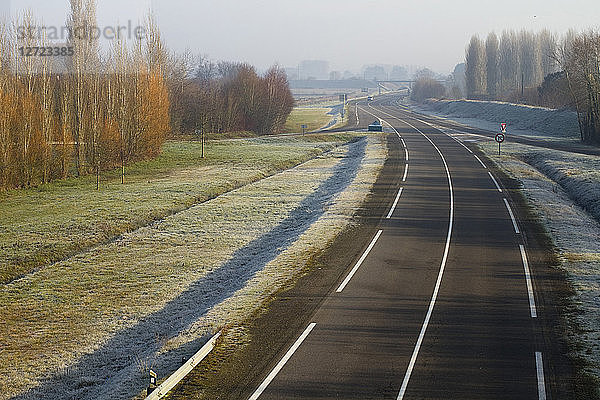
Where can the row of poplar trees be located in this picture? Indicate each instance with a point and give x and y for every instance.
(69, 116)
(511, 62)
(92, 111)
(556, 71)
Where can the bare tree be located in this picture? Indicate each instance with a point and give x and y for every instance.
(531, 66)
(548, 50)
(492, 64)
(475, 68)
(580, 59)
(111, 110)
(509, 62)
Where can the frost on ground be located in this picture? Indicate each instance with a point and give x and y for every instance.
(91, 326)
(57, 220)
(290, 263)
(537, 122)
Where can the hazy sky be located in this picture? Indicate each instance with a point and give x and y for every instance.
(347, 33)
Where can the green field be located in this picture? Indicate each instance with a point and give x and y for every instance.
(314, 118)
(49, 223)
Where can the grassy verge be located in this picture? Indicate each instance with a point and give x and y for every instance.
(314, 118)
(113, 300)
(71, 308)
(49, 223)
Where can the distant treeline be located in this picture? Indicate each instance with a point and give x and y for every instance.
(426, 86)
(539, 69)
(224, 97)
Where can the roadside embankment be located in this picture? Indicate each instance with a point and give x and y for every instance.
(521, 119)
(44, 225)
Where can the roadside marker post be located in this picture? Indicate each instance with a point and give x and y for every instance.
(303, 126)
(152, 385)
(200, 133)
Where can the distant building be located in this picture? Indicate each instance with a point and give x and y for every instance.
(349, 75)
(314, 69)
(335, 75)
(375, 72)
(292, 73)
(399, 73)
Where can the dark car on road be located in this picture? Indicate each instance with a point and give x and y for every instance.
(375, 127)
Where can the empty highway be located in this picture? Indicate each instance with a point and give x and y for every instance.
(442, 303)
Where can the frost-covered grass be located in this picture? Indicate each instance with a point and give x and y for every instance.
(46, 224)
(277, 273)
(93, 323)
(577, 174)
(564, 191)
(537, 122)
(313, 117)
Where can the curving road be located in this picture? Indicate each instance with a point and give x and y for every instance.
(442, 303)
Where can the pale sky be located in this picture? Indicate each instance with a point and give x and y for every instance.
(347, 33)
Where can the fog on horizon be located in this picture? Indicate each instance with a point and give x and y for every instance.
(348, 34)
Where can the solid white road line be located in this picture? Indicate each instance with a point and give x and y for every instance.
(413, 358)
(532, 307)
(480, 162)
(450, 136)
(512, 216)
(359, 262)
(539, 365)
(405, 173)
(394, 205)
(455, 139)
(495, 182)
(437, 127)
(403, 143)
(463, 145)
(385, 122)
(406, 151)
(281, 363)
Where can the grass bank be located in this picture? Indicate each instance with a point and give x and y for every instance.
(43, 225)
(99, 319)
(258, 316)
(313, 117)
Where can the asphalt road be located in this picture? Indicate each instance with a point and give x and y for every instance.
(442, 304)
(392, 105)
